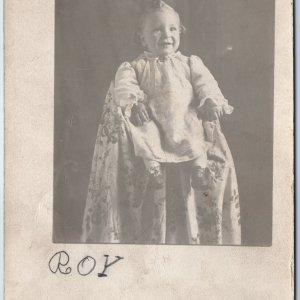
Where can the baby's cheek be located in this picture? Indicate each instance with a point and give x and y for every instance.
(177, 43)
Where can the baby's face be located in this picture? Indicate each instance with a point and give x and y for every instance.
(161, 33)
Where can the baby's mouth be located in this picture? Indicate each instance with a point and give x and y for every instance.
(166, 44)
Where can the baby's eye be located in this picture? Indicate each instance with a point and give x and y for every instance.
(173, 28)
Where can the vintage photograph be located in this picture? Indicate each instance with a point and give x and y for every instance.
(163, 122)
(149, 149)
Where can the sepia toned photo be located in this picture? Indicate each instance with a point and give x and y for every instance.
(149, 149)
(163, 122)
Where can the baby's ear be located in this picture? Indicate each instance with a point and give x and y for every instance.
(138, 38)
(142, 40)
(182, 29)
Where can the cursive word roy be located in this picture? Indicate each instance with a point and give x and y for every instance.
(59, 263)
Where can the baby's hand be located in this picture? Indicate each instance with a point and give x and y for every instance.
(139, 114)
(210, 111)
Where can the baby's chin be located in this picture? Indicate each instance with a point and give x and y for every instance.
(166, 51)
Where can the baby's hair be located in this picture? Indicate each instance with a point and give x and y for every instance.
(153, 4)
(150, 6)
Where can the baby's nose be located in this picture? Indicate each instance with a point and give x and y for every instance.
(166, 32)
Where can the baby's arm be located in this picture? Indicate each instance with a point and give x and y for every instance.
(211, 102)
(129, 95)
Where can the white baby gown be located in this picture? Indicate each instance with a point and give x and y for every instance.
(173, 89)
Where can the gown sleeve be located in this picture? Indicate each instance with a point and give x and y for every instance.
(205, 86)
(127, 90)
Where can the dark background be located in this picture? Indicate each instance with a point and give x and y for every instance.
(235, 39)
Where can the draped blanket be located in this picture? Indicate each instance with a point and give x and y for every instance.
(125, 205)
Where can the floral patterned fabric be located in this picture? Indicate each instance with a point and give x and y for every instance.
(125, 205)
